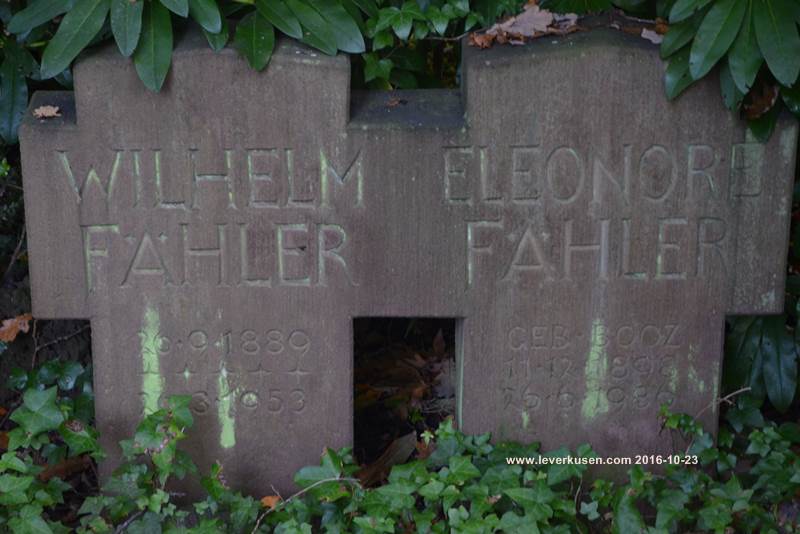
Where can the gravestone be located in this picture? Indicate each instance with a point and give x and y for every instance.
(221, 235)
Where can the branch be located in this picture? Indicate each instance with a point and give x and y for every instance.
(303, 491)
(124, 526)
(62, 338)
(14, 256)
(716, 402)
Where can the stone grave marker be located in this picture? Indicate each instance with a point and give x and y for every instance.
(221, 235)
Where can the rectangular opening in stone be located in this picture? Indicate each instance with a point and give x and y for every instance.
(406, 379)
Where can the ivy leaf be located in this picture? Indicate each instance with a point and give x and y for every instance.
(348, 35)
(179, 7)
(13, 483)
(206, 14)
(535, 501)
(776, 32)
(313, 474)
(80, 439)
(626, 516)
(461, 470)
(432, 489)
(438, 19)
(318, 32)
(780, 362)
(13, 99)
(280, 16)
(10, 462)
(77, 29)
(719, 28)
(670, 505)
(683, 9)
(590, 510)
(178, 406)
(375, 68)
(255, 40)
(69, 375)
(677, 77)
(38, 13)
(126, 24)
(38, 412)
(745, 58)
(398, 495)
(154, 53)
(400, 20)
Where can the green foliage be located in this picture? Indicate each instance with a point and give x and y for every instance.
(51, 429)
(467, 484)
(753, 41)
(398, 43)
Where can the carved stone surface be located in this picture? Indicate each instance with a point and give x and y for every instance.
(222, 235)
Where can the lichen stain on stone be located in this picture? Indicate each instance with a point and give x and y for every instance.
(694, 378)
(152, 381)
(595, 402)
(226, 411)
(715, 391)
(526, 419)
(672, 373)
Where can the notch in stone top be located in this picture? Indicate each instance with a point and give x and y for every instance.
(299, 85)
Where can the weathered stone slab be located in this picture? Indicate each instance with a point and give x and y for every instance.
(221, 236)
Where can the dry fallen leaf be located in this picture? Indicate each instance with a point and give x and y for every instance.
(65, 468)
(11, 327)
(760, 100)
(652, 36)
(531, 23)
(47, 112)
(425, 449)
(394, 102)
(270, 501)
(396, 453)
(481, 40)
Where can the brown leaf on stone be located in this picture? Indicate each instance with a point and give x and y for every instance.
(481, 40)
(760, 100)
(533, 22)
(4, 440)
(424, 450)
(394, 102)
(11, 327)
(270, 501)
(65, 468)
(661, 27)
(47, 112)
